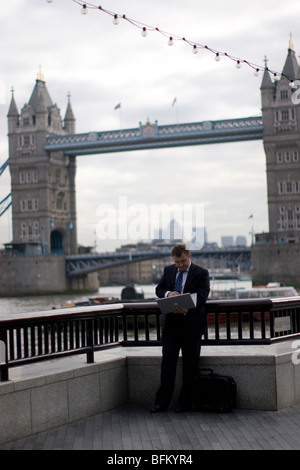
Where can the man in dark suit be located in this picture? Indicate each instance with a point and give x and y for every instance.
(181, 329)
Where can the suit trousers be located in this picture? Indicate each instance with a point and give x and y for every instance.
(190, 348)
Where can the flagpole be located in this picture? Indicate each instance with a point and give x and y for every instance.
(252, 229)
(119, 106)
(175, 103)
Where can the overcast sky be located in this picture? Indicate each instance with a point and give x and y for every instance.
(101, 65)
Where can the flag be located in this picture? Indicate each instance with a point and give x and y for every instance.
(174, 101)
(118, 106)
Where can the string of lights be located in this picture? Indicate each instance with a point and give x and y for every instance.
(195, 47)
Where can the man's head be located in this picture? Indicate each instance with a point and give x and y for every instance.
(181, 256)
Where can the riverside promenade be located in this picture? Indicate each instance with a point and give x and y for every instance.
(131, 428)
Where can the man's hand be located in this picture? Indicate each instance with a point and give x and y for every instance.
(173, 292)
(176, 309)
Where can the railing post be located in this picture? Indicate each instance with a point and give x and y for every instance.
(3, 357)
(90, 341)
(272, 330)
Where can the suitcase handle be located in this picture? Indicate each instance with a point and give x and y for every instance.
(206, 370)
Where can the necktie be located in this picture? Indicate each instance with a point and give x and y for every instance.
(178, 282)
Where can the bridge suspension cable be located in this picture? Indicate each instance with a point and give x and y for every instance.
(3, 167)
(5, 204)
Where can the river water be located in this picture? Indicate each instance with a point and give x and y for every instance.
(15, 305)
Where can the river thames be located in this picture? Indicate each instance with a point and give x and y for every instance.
(35, 303)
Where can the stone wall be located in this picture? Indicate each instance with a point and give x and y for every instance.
(276, 263)
(264, 382)
(29, 275)
(40, 403)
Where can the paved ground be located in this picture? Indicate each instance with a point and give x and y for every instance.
(134, 428)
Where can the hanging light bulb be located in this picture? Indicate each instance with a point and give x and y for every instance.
(116, 20)
(144, 32)
(217, 57)
(195, 49)
(84, 9)
(170, 42)
(256, 73)
(292, 84)
(238, 64)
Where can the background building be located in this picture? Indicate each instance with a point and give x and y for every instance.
(227, 240)
(241, 241)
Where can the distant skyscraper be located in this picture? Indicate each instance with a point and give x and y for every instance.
(199, 236)
(172, 231)
(241, 241)
(227, 241)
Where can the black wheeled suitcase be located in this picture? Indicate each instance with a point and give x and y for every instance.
(212, 392)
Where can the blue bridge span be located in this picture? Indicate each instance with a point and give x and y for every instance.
(78, 265)
(152, 136)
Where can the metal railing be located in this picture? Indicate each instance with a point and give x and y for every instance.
(31, 337)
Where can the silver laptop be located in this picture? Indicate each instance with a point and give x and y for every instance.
(186, 301)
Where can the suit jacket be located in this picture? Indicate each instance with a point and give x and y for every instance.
(197, 281)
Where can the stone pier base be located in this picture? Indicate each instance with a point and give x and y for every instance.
(276, 263)
(31, 275)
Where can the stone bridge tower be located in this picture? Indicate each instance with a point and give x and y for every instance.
(42, 184)
(276, 254)
(281, 121)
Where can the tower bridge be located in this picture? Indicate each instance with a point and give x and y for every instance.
(42, 162)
